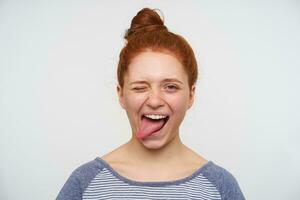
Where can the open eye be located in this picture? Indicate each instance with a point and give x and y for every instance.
(172, 88)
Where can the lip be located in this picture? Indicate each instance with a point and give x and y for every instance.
(155, 114)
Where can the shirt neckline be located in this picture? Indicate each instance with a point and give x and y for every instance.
(153, 183)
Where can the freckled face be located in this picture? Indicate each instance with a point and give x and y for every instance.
(156, 83)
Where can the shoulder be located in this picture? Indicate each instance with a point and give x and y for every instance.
(79, 180)
(223, 180)
(88, 169)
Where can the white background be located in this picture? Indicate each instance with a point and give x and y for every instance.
(59, 107)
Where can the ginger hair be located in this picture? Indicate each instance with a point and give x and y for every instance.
(147, 32)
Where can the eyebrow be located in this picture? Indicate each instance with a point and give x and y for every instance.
(164, 81)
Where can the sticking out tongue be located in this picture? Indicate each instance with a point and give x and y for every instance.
(148, 127)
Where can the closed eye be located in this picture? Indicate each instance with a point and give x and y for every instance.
(139, 89)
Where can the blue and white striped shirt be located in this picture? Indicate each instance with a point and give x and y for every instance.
(98, 180)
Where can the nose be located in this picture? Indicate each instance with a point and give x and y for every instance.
(155, 99)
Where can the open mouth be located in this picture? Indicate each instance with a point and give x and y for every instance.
(165, 120)
(151, 123)
(157, 120)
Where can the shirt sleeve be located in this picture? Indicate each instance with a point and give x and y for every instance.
(231, 189)
(79, 180)
(71, 190)
(225, 182)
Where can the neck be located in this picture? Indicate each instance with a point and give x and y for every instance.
(170, 153)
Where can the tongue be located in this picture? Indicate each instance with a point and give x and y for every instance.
(148, 127)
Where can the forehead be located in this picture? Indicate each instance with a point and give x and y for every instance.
(155, 66)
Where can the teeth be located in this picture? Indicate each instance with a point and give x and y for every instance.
(156, 116)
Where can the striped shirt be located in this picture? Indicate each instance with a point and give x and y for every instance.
(98, 180)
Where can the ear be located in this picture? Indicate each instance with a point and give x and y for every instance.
(192, 96)
(121, 95)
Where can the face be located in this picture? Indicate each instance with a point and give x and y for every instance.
(156, 84)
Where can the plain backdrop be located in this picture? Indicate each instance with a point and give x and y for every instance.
(59, 106)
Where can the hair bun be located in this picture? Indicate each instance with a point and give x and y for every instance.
(146, 20)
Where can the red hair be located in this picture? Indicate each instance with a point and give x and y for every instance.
(148, 32)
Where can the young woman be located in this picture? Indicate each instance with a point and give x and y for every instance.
(157, 73)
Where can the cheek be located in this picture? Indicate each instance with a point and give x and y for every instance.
(179, 103)
(134, 102)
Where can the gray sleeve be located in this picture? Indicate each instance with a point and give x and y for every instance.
(78, 181)
(72, 189)
(225, 183)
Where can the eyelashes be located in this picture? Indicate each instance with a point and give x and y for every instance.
(172, 87)
(168, 88)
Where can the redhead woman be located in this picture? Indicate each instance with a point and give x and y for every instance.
(157, 74)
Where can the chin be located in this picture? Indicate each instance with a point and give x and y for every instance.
(153, 145)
